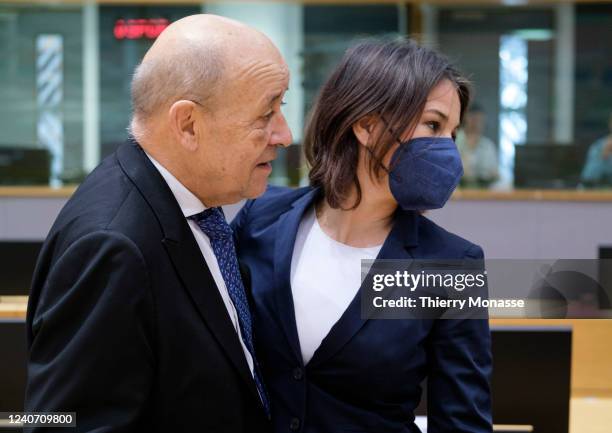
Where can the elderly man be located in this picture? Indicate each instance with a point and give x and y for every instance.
(138, 318)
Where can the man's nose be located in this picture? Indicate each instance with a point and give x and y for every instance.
(281, 134)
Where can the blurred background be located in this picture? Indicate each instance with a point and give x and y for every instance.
(542, 75)
(536, 146)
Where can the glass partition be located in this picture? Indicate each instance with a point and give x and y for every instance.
(542, 77)
(41, 94)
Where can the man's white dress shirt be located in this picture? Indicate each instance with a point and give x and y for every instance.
(190, 205)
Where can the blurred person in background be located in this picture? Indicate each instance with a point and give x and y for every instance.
(478, 153)
(597, 169)
(380, 145)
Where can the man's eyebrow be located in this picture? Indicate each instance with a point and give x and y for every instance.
(276, 96)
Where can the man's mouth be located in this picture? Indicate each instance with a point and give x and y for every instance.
(265, 165)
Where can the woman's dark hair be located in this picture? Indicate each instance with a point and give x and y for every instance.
(387, 78)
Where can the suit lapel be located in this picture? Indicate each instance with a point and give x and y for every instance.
(401, 239)
(185, 255)
(197, 279)
(286, 232)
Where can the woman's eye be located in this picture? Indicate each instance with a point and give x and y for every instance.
(434, 126)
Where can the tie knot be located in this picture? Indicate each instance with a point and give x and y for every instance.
(213, 224)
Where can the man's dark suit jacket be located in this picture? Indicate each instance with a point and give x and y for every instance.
(126, 326)
(366, 375)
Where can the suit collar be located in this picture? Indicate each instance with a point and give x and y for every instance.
(286, 232)
(190, 205)
(402, 238)
(152, 187)
(398, 246)
(185, 254)
(406, 228)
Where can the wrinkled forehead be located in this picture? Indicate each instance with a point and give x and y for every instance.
(254, 59)
(255, 75)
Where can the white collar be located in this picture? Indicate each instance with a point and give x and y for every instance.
(187, 201)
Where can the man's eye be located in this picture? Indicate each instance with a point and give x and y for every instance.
(268, 116)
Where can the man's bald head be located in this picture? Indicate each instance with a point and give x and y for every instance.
(192, 59)
(207, 106)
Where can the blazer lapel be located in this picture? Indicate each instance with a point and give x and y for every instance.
(286, 232)
(402, 237)
(185, 255)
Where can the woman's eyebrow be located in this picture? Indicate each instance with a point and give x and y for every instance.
(438, 112)
(441, 114)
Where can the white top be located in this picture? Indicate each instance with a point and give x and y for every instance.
(191, 205)
(325, 277)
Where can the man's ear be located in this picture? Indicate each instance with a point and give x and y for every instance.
(364, 129)
(182, 119)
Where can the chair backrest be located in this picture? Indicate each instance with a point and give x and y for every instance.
(13, 371)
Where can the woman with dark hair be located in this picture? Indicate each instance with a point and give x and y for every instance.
(379, 142)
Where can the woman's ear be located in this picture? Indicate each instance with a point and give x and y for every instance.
(364, 129)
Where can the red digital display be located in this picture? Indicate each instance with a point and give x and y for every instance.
(139, 28)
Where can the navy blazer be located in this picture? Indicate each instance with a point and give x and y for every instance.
(366, 375)
(126, 326)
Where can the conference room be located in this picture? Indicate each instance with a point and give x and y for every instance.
(530, 202)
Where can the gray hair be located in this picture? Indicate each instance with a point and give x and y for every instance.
(190, 72)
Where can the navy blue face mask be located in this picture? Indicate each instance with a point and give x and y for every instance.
(424, 172)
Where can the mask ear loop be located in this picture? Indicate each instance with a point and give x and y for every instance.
(403, 144)
(379, 160)
(400, 149)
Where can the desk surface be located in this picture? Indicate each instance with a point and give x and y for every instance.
(604, 195)
(13, 307)
(534, 195)
(590, 410)
(590, 415)
(37, 191)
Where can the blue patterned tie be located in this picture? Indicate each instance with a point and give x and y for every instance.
(213, 224)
